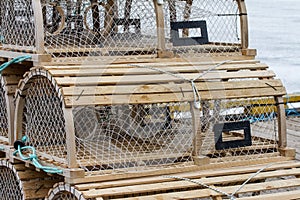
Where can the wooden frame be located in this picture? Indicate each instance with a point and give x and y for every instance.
(18, 118)
(243, 23)
(160, 26)
(39, 26)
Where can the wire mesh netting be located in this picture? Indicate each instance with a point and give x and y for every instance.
(3, 109)
(90, 28)
(75, 28)
(43, 119)
(17, 29)
(239, 129)
(65, 192)
(132, 136)
(10, 184)
(202, 26)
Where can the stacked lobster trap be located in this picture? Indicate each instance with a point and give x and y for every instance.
(125, 88)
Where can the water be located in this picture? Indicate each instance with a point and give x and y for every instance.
(274, 27)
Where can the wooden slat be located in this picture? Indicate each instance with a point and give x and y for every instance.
(201, 193)
(12, 79)
(104, 70)
(169, 97)
(160, 65)
(233, 65)
(167, 88)
(236, 59)
(288, 195)
(162, 78)
(155, 184)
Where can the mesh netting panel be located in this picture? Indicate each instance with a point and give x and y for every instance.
(17, 29)
(10, 185)
(132, 136)
(87, 28)
(222, 24)
(3, 113)
(233, 117)
(43, 118)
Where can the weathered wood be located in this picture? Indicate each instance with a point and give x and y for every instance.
(197, 142)
(165, 186)
(216, 169)
(100, 62)
(288, 195)
(36, 58)
(171, 88)
(202, 193)
(281, 123)
(10, 114)
(160, 26)
(105, 70)
(243, 23)
(161, 78)
(39, 27)
(163, 182)
(70, 137)
(168, 97)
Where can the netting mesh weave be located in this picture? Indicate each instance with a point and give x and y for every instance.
(17, 29)
(3, 113)
(95, 28)
(260, 114)
(222, 24)
(10, 184)
(44, 122)
(76, 28)
(132, 136)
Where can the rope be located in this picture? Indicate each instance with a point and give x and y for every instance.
(34, 158)
(192, 81)
(261, 118)
(15, 60)
(291, 111)
(200, 183)
(230, 196)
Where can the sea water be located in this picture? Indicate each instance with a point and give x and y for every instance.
(274, 30)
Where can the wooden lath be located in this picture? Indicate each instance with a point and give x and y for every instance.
(162, 186)
(133, 83)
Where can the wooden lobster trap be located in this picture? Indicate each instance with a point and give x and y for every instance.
(139, 89)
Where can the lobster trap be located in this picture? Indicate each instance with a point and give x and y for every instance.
(130, 122)
(19, 182)
(119, 93)
(81, 28)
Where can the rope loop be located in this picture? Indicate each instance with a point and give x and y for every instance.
(32, 157)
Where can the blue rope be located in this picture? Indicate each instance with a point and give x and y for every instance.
(15, 60)
(291, 111)
(34, 159)
(260, 118)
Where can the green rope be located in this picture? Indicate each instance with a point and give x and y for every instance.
(15, 60)
(34, 159)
